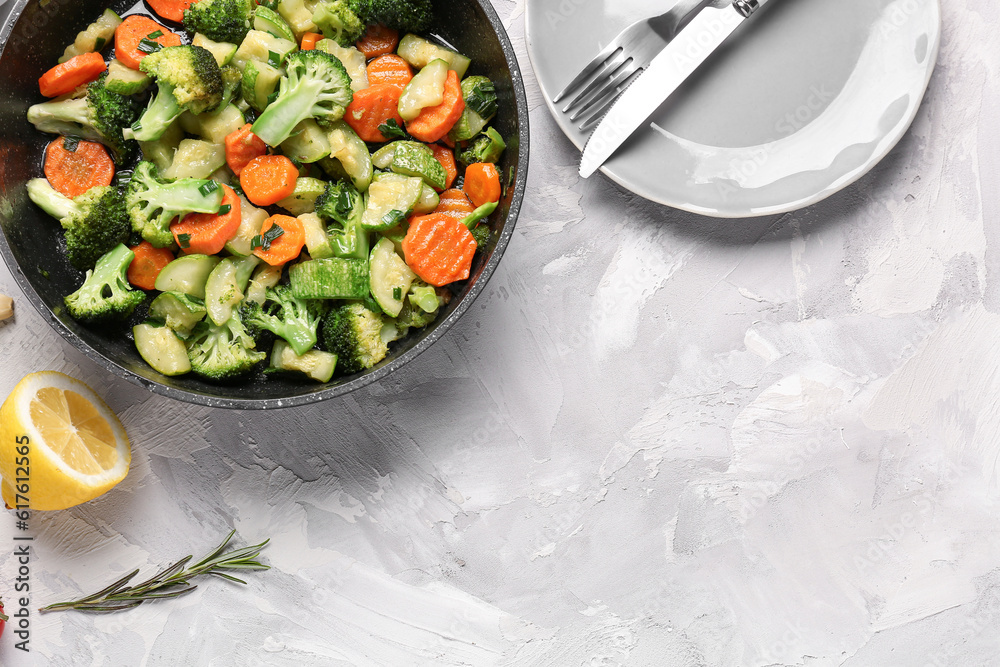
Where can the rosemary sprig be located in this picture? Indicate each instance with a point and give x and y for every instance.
(170, 582)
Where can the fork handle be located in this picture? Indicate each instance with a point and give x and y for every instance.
(747, 7)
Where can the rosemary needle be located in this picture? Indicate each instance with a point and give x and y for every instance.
(170, 582)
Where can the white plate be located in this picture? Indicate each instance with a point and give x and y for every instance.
(801, 102)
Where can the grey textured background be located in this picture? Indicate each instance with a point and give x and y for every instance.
(657, 439)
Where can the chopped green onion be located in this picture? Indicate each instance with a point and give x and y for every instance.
(208, 188)
(390, 129)
(226, 208)
(393, 218)
(154, 35)
(71, 143)
(149, 46)
(397, 293)
(184, 240)
(267, 238)
(273, 59)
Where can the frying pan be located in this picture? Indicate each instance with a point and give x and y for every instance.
(31, 41)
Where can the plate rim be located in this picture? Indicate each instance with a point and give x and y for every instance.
(848, 179)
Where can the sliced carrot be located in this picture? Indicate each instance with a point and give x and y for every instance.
(280, 249)
(73, 166)
(434, 123)
(372, 107)
(208, 233)
(70, 75)
(439, 249)
(389, 68)
(131, 32)
(482, 183)
(455, 203)
(309, 40)
(172, 10)
(147, 264)
(242, 146)
(446, 157)
(268, 179)
(378, 41)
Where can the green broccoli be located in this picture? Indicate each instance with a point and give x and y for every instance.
(99, 115)
(222, 352)
(342, 207)
(295, 320)
(316, 86)
(487, 147)
(337, 22)
(404, 15)
(95, 222)
(189, 79)
(221, 20)
(354, 334)
(152, 204)
(232, 82)
(105, 295)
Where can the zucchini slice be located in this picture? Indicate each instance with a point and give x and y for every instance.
(161, 349)
(390, 277)
(331, 278)
(98, 34)
(187, 274)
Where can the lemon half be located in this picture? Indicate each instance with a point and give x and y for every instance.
(77, 448)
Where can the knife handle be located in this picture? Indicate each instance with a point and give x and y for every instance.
(747, 7)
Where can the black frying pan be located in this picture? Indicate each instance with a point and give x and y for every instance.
(31, 42)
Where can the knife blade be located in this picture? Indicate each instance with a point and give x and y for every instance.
(666, 72)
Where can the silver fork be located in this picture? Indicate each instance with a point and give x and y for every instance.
(628, 54)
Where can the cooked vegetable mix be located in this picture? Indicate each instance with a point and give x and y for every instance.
(298, 205)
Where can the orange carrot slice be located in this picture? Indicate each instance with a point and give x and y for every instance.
(70, 75)
(73, 167)
(439, 249)
(434, 123)
(147, 264)
(208, 233)
(279, 249)
(268, 179)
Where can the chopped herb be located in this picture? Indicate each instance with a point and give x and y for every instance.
(225, 209)
(137, 126)
(99, 43)
(273, 59)
(154, 35)
(397, 293)
(267, 238)
(272, 97)
(147, 45)
(184, 240)
(390, 129)
(483, 101)
(71, 144)
(45, 274)
(208, 188)
(123, 178)
(392, 218)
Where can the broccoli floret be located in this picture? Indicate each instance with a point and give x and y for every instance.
(232, 81)
(99, 115)
(95, 222)
(152, 204)
(296, 320)
(354, 334)
(221, 20)
(105, 295)
(188, 79)
(404, 15)
(342, 207)
(316, 86)
(222, 352)
(487, 147)
(337, 22)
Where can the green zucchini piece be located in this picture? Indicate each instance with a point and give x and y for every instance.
(298, 16)
(263, 47)
(349, 156)
(260, 84)
(428, 201)
(265, 276)
(187, 274)
(161, 152)
(382, 158)
(225, 285)
(425, 90)
(224, 52)
(414, 159)
(354, 62)
(196, 159)
(161, 348)
(330, 278)
(98, 35)
(419, 52)
(125, 80)
(315, 364)
(214, 127)
(270, 21)
(251, 221)
(389, 276)
(307, 144)
(391, 198)
(317, 241)
(303, 200)
(178, 311)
